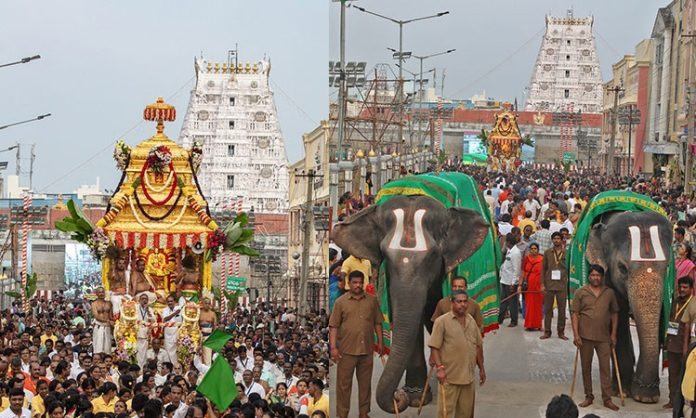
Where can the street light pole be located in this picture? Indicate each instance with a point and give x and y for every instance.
(22, 61)
(342, 81)
(420, 85)
(401, 24)
(26, 121)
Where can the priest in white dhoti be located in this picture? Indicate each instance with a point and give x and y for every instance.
(171, 319)
(146, 319)
(102, 335)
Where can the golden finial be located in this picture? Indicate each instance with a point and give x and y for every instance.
(255, 68)
(217, 67)
(247, 68)
(210, 67)
(394, 154)
(160, 112)
(224, 67)
(372, 153)
(360, 154)
(240, 67)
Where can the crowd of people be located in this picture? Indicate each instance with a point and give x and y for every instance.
(50, 366)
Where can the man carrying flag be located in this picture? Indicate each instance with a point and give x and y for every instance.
(218, 384)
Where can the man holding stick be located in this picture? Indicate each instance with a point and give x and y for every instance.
(554, 285)
(595, 314)
(456, 346)
(354, 319)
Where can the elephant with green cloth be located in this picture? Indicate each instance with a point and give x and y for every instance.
(420, 241)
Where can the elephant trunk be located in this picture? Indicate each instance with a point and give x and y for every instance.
(407, 315)
(645, 297)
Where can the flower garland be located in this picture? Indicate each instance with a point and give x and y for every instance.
(156, 218)
(122, 154)
(147, 195)
(159, 157)
(155, 189)
(196, 156)
(157, 226)
(98, 242)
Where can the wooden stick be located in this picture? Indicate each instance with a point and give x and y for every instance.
(575, 371)
(618, 376)
(444, 401)
(425, 387)
(396, 408)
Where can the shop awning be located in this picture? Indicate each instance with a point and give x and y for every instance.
(671, 148)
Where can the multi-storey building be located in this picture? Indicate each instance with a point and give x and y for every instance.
(232, 115)
(566, 74)
(631, 74)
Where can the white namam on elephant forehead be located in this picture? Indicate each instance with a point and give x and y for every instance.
(395, 242)
(653, 240)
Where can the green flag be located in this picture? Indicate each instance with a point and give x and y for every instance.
(218, 384)
(217, 340)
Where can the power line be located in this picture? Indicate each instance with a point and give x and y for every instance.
(277, 86)
(110, 144)
(498, 65)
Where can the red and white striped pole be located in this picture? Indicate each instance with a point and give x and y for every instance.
(223, 275)
(25, 239)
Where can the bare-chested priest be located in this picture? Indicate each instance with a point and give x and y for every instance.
(188, 282)
(103, 323)
(142, 284)
(207, 322)
(117, 284)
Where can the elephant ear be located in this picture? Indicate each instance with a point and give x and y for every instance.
(359, 235)
(594, 252)
(462, 236)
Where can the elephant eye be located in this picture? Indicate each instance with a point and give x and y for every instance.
(622, 268)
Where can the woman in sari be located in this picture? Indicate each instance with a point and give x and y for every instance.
(682, 262)
(531, 283)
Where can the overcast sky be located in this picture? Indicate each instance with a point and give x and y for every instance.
(496, 42)
(102, 62)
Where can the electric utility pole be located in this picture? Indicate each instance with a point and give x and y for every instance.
(612, 138)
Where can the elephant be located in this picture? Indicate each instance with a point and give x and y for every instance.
(634, 250)
(420, 241)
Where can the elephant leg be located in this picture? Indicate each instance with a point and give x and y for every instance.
(416, 373)
(624, 353)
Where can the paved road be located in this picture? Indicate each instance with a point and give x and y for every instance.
(523, 374)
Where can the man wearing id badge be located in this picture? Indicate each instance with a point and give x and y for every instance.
(678, 336)
(554, 285)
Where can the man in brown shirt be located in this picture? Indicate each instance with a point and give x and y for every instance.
(355, 318)
(456, 346)
(445, 304)
(554, 285)
(593, 311)
(676, 334)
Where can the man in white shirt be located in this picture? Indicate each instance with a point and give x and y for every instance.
(510, 273)
(541, 194)
(171, 316)
(504, 226)
(532, 205)
(250, 386)
(490, 200)
(16, 409)
(243, 360)
(176, 394)
(156, 352)
(505, 206)
(565, 223)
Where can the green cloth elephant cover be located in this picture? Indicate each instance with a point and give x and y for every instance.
(481, 269)
(614, 200)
